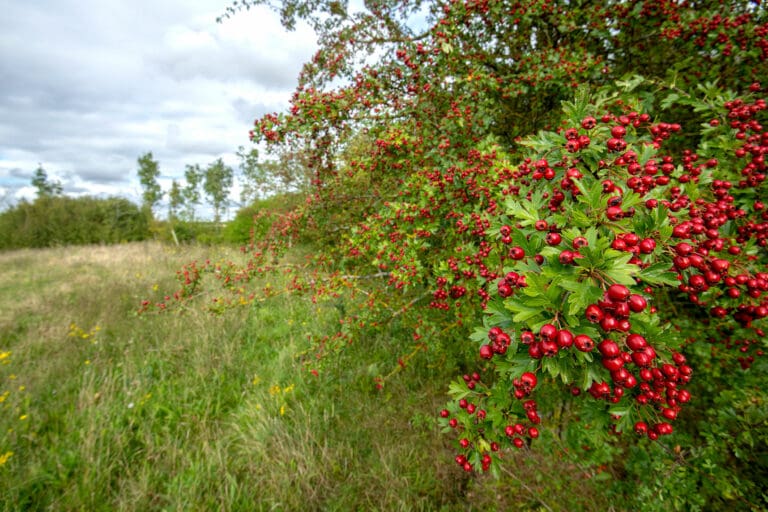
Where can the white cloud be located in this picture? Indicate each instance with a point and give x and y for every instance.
(90, 85)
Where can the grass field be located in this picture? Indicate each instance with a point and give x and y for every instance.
(104, 409)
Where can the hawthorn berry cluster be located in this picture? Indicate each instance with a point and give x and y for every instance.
(515, 433)
(650, 223)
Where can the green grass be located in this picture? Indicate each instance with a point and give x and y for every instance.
(109, 410)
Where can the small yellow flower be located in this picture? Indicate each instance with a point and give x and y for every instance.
(4, 457)
(23, 417)
(22, 388)
(282, 410)
(255, 380)
(4, 396)
(274, 390)
(4, 355)
(288, 389)
(12, 376)
(87, 362)
(155, 287)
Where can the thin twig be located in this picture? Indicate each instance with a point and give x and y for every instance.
(533, 494)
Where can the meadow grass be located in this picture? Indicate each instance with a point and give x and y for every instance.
(105, 409)
(108, 410)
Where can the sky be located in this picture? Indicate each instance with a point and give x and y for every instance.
(88, 86)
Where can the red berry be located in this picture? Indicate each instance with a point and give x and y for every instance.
(609, 348)
(584, 343)
(553, 238)
(588, 123)
(647, 245)
(594, 314)
(579, 242)
(618, 293)
(637, 303)
(528, 380)
(564, 338)
(547, 332)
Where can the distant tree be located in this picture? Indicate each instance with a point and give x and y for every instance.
(288, 173)
(193, 175)
(175, 200)
(217, 182)
(43, 185)
(252, 175)
(149, 170)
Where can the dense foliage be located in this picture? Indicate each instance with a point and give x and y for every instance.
(572, 193)
(255, 221)
(52, 220)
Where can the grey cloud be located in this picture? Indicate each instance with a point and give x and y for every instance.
(87, 86)
(228, 62)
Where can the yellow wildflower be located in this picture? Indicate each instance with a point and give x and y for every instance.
(4, 457)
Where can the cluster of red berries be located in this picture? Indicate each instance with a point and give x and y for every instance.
(499, 343)
(509, 283)
(612, 312)
(516, 432)
(441, 294)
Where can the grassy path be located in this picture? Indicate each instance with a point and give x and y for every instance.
(106, 410)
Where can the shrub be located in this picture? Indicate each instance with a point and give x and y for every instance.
(61, 220)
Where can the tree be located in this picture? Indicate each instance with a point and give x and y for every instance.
(217, 181)
(175, 200)
(284, 173)
(43, 185)
(193, 175)
(148, 173)
(253, 178)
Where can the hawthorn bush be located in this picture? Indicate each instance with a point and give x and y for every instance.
(575, 195)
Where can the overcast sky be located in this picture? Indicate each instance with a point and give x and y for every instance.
(87, 86)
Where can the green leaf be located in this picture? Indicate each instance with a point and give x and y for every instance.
(522, 311)
(458, 389)
(551, 366)
(659, 273)
(521, 363)
(620, 271)
(630, 83)
(670, 100)
(480, 334)
(580, 219)
(581, 297)
(588, 377)
(592, 196)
